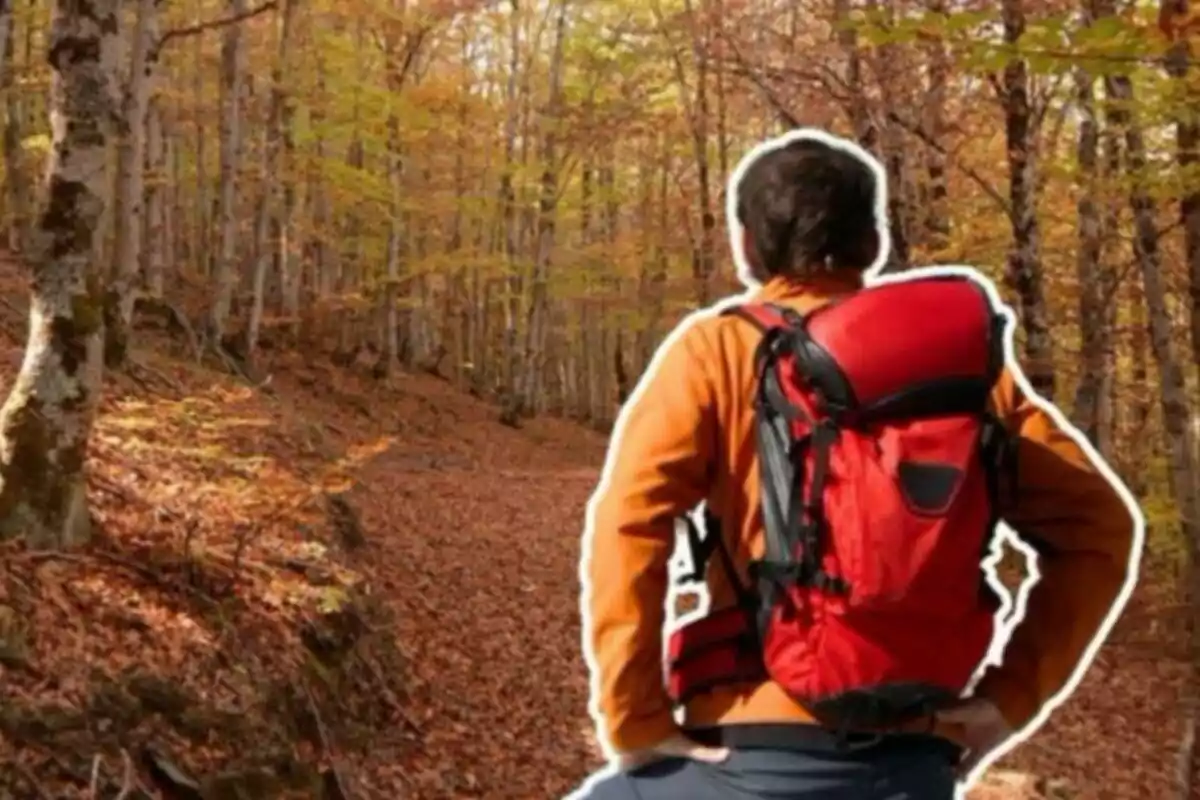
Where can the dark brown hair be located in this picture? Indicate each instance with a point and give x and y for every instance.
(807, 205)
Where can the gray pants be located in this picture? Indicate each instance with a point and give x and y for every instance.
(896, 770)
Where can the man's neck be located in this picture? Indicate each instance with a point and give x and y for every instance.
(825, 283)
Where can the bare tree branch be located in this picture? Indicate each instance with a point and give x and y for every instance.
(212, 24)
(755, 76)
(916, 130)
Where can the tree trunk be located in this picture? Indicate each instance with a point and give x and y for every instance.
(587, 335)
(456, 324)
(225, 274)
(178, 251)
(272, 183)
(422, 345)
(287, 265)
(706, 260)
(1136, 461)
(936, 211)
(155, 234)
(201, 222)
(1112, 259)
(129, 199)
(856, 102)
(653, 269)
(610, 284)
(508, 211)
(892, 149)
(718, 18)
(263, 253)
(47, 419)
(1092, 328)
(885, 141)
(14, 174)
(390, 355)
(539, 306)
(352, 248)
(696, 111)
(1024, 271)
(322, 257)
(1179, 62)
(399, 61)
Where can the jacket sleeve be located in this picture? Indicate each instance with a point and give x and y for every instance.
(1084, 527)
(658, 468)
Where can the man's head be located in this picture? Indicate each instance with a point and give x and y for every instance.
(805, 204)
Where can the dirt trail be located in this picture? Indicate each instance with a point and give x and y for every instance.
(485, 591)
(474, 533)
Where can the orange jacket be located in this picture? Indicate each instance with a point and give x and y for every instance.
(686, 435)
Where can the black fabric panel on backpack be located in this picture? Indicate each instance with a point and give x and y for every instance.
(928, 487)
(942, 397)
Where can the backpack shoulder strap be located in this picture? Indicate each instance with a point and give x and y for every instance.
(773, 321)
(766, 317)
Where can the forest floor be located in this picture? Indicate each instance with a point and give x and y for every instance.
(330, 588)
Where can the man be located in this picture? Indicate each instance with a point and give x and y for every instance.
(807, 223)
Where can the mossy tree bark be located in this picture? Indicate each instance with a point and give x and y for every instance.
(47, 419)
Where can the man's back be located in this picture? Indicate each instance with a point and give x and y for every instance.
(696, 416)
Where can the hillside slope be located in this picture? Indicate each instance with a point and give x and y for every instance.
(331, 586)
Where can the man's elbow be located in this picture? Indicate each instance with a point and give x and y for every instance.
(1096, 549)
(1125, 535)
(1112, 560)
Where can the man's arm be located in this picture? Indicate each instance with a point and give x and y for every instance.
(1085, 528)
(658, 468)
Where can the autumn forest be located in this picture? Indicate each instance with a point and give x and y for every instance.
(494, 210)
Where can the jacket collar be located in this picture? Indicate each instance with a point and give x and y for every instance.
(782, 288)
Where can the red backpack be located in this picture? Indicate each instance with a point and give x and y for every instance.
(880, 471)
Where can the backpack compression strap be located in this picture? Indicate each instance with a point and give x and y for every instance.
(789, 519)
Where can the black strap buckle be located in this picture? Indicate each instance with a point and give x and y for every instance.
(700, 550)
